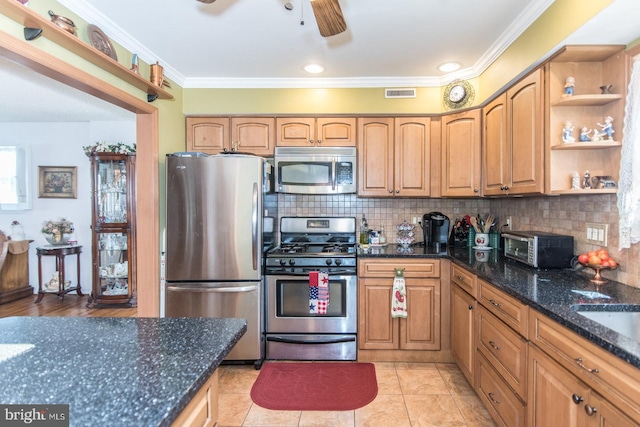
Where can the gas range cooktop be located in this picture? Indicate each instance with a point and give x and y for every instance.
(321, 242)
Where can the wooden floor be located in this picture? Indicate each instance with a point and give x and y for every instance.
(70, 306)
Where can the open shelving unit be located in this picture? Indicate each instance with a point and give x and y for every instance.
(31, 19)
(591, 67)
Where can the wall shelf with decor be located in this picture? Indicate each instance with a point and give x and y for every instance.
(577, 116)
(30, 18)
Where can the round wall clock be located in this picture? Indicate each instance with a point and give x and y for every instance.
(458, 94)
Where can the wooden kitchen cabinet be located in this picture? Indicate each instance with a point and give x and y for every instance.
(213, 135)
(202, 410)
(591, 67)
(394, 157)
(377, 330)
(559, 358)
(463, 331)
(316, 131)
(513, 140)
(558, 397)
(460, 166)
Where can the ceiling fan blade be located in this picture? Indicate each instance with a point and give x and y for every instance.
(329, 17)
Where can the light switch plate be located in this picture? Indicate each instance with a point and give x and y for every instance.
(597, 233)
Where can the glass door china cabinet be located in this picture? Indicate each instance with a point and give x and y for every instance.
(113, 229)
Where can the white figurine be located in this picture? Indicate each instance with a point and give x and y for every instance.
(584, 134)
(567, 133)
(586, 181)
(607, 128)
(569, 86)
(597, 136)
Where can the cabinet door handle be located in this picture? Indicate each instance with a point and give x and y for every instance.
(470, 307)
(494, 400)
(494, 303)
(590, 410)
(580, 364)
(311, 141)
(390, 191)
(319, 141)
(494, 346)
(397, 191)
(576, 399)
(475, 190)
(460, 278)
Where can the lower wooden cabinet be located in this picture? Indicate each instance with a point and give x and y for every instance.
(463, 331)
(377, 330)
(203, 408)
(502, 403)
(558, 397)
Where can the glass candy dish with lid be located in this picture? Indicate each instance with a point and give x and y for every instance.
(406, 234)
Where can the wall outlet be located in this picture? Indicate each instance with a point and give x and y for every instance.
(597, 233)
(507, 223)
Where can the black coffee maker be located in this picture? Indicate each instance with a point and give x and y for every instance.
(435, 227)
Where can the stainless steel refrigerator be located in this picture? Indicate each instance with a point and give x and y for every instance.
(214, 246)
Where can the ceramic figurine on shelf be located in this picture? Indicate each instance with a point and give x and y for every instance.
(567, 132)
(607, 128)
(134, 63)
(569, 86)
(586, 181)
(575, 181)
(584, 134)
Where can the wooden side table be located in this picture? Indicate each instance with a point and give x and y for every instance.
(14, 270)
(60, 252)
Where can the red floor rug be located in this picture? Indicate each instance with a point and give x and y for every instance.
(315, 386)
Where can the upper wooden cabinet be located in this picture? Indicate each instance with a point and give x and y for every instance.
(460, 136)
(592, 68)
(512, 141)
(212, 135)
(312, 131)
(394, 156)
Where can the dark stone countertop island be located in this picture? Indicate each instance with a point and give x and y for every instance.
(112, 371)
(551, 292)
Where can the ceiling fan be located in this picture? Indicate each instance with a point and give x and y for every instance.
(328, 16)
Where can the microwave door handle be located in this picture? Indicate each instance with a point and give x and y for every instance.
(514, 237)
(254, 226)
(333, 174)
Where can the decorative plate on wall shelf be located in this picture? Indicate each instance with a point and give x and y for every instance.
(100, 41)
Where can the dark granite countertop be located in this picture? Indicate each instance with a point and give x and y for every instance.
(112, 371)
(552, 292)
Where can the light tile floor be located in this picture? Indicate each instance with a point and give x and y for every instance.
(409, 395)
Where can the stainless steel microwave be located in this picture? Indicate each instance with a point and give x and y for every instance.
(539, 249)
(315, 170)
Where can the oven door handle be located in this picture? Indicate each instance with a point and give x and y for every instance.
(333, 174)
(311, 341)
(331, 273)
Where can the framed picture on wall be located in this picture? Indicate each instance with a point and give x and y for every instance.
(59, 182)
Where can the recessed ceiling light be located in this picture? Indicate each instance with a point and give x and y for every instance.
(448, 67)
(314, 68)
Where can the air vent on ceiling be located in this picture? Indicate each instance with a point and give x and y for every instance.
(400, 93)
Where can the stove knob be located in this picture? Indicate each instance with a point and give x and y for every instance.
(328, 261)
(283, 262)
(292, 261)
(338, 261)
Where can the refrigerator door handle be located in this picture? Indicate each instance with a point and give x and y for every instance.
(212, 290)
(254, 226)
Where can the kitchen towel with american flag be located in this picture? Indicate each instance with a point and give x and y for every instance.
(318, 292)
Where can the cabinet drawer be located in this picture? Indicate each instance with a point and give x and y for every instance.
(616, 380)
(504, 349)
(505, 407)
(413, 268)
(506, 308)
(466, 280)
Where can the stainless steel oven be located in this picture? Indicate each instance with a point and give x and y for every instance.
(294, 333)
(294, 330)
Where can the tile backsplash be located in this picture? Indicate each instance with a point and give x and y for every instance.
(564, 215)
